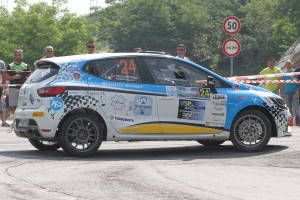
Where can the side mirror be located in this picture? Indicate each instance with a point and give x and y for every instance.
(211, 84)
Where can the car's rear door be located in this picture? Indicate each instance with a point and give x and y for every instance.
(129, 105)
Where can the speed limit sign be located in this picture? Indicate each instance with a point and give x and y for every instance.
(232, 25)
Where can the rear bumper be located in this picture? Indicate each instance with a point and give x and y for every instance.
(38, 128)
(32, 132)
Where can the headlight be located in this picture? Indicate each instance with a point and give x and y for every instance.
(279, 102)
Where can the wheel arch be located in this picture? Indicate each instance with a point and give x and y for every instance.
(89, 111)
(265, 112)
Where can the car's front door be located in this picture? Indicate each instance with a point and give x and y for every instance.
(187, 106)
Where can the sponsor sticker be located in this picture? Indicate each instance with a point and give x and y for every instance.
(171, 91)
(191, 110)
(118, 102)
(121, 118)
(268, 101)
(73, 68)
(31, 99)
(219, 97)
(77, 92)
(38, 114)
(285, 112)
(188, 92)
(143, 105)
(236, 86)
(56, 103)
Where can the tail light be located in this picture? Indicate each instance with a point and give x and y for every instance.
(50, 91)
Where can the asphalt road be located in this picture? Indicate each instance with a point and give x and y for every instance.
(151, 170)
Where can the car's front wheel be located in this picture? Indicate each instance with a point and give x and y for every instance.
(81, 135)
(44, 145)
(250, 131)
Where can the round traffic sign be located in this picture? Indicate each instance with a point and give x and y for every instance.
(231, 47)
(232, 25)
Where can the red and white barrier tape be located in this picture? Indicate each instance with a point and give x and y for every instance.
(11, 85)
(5, 70)
(261, 76)
(268, 81)
(259, 81)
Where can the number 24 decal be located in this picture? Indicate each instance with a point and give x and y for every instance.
(126, 70)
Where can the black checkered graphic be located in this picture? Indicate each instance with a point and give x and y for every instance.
(281, 119)
(75, 101)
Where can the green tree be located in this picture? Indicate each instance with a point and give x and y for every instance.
(33, 27)
(269, 28)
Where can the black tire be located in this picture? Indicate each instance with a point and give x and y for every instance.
(250, 131)
(211, 142)
(44, 145)
(81, 135)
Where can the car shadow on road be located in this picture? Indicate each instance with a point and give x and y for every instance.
(184, 153)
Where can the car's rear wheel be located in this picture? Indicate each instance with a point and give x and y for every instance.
(81, 135)
(250, 131)
(44, 145)
(211, 142)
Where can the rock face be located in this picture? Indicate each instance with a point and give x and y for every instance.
(292, 54)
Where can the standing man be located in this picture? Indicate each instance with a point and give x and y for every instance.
(298, 91)
(289, 92)
(90, 46)
(137, 49)
(181, 50)
(2, 68)
(271, 69)
(49, 52)
(16, 77)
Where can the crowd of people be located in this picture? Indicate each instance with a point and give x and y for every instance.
(16, 73)
(288, 91)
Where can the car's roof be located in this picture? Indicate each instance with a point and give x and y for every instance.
(85, 57)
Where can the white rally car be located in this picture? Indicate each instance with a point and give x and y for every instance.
(76, 102)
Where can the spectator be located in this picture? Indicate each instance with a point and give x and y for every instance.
(49, 52)
(2, 68)
(297, 78)
(90, 46)
(137, 49)
(181, 50)
(16, 77)
(289, 92)
(271, 69)
(7, 108)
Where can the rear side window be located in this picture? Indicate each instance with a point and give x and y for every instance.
(122, 70)
(43, 72)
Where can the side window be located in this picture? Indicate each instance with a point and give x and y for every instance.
(123, 70)
(170, 72)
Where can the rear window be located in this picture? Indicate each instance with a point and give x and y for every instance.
(43, 72)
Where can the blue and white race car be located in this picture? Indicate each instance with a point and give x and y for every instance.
(76, 102)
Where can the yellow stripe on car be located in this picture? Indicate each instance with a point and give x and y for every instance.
(144, 128)
(173, 128)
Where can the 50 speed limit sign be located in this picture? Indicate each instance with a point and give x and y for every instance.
(232, 25)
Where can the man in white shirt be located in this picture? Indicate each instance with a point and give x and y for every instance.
(181, 50)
